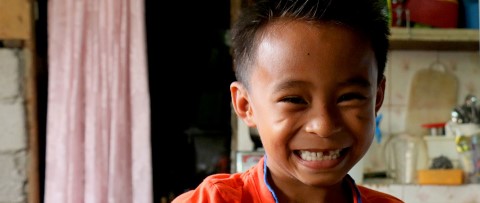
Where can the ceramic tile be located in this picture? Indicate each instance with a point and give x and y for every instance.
(400, 70)
(431, 193)
(395, 80)
(374, 157)
(401, 67)
(395, 190)
(393, 120)
(441, 194)
(466, 66)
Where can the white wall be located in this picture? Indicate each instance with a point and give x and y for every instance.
(13, 139)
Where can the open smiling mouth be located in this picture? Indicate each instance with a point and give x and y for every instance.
(322, 155)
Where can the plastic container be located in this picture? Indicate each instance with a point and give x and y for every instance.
(435, 128)
(471, 13)
(440, 177)
(469, 150)
(441, 145)
(441, 14)
(405, 154)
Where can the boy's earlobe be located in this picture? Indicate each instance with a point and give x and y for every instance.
(380, 95)
(241, 103)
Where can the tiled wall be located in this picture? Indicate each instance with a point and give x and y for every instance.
(432, 193)
(401, 67)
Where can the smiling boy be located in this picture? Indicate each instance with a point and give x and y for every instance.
(310, 79)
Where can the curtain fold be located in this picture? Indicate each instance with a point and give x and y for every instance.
(98, 118)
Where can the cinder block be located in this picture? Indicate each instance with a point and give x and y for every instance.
(12, 191)
(13, 166)
(10, 78)
(12, 177)
(13, 126)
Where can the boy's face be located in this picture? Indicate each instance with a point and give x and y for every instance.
(313, 97)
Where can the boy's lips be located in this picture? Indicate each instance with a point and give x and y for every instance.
(321, 159)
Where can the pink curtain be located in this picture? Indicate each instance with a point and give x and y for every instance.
(98, 120)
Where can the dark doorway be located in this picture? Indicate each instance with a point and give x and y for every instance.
(41, 41)
(189, 73)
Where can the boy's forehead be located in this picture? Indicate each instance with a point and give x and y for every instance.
(299, 45)
(277, 28)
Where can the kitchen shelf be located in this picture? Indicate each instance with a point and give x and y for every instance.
(434, 39)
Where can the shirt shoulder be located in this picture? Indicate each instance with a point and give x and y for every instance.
(370, 195)
(215, 188)
(248, 186)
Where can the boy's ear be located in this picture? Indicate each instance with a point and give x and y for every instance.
(241, 102)
(380, 95)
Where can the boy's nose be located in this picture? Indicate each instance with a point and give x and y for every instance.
(323, 123)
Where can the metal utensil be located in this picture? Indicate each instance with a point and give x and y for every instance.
(470, 107)
(462, 115)
(456, 118)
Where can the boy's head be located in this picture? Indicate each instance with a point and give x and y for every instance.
(365, 17)
(310, 79)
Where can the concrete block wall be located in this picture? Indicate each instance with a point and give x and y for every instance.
(13, 128)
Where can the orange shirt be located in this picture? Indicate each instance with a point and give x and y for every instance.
(251, 186)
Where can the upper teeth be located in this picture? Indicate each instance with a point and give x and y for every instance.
(319, 156)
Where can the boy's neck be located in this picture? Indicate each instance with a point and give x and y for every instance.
(286, 191)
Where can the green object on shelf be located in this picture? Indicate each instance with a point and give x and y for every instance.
(441, 162)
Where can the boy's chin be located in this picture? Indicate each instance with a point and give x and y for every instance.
(324, 181)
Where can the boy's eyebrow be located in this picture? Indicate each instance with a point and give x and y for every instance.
(357, 81)
(360, 81)
(290, 84)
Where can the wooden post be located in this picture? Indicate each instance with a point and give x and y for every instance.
(17, 23)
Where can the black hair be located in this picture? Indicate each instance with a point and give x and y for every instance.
(366, 17)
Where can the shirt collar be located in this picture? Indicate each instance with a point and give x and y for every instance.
(355, 191)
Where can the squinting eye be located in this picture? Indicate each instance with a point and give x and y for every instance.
(350, 97)
(294, 100)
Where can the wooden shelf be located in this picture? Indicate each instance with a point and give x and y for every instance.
(15, 20)
(434, 39)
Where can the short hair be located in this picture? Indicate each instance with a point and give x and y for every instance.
(366, 17)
